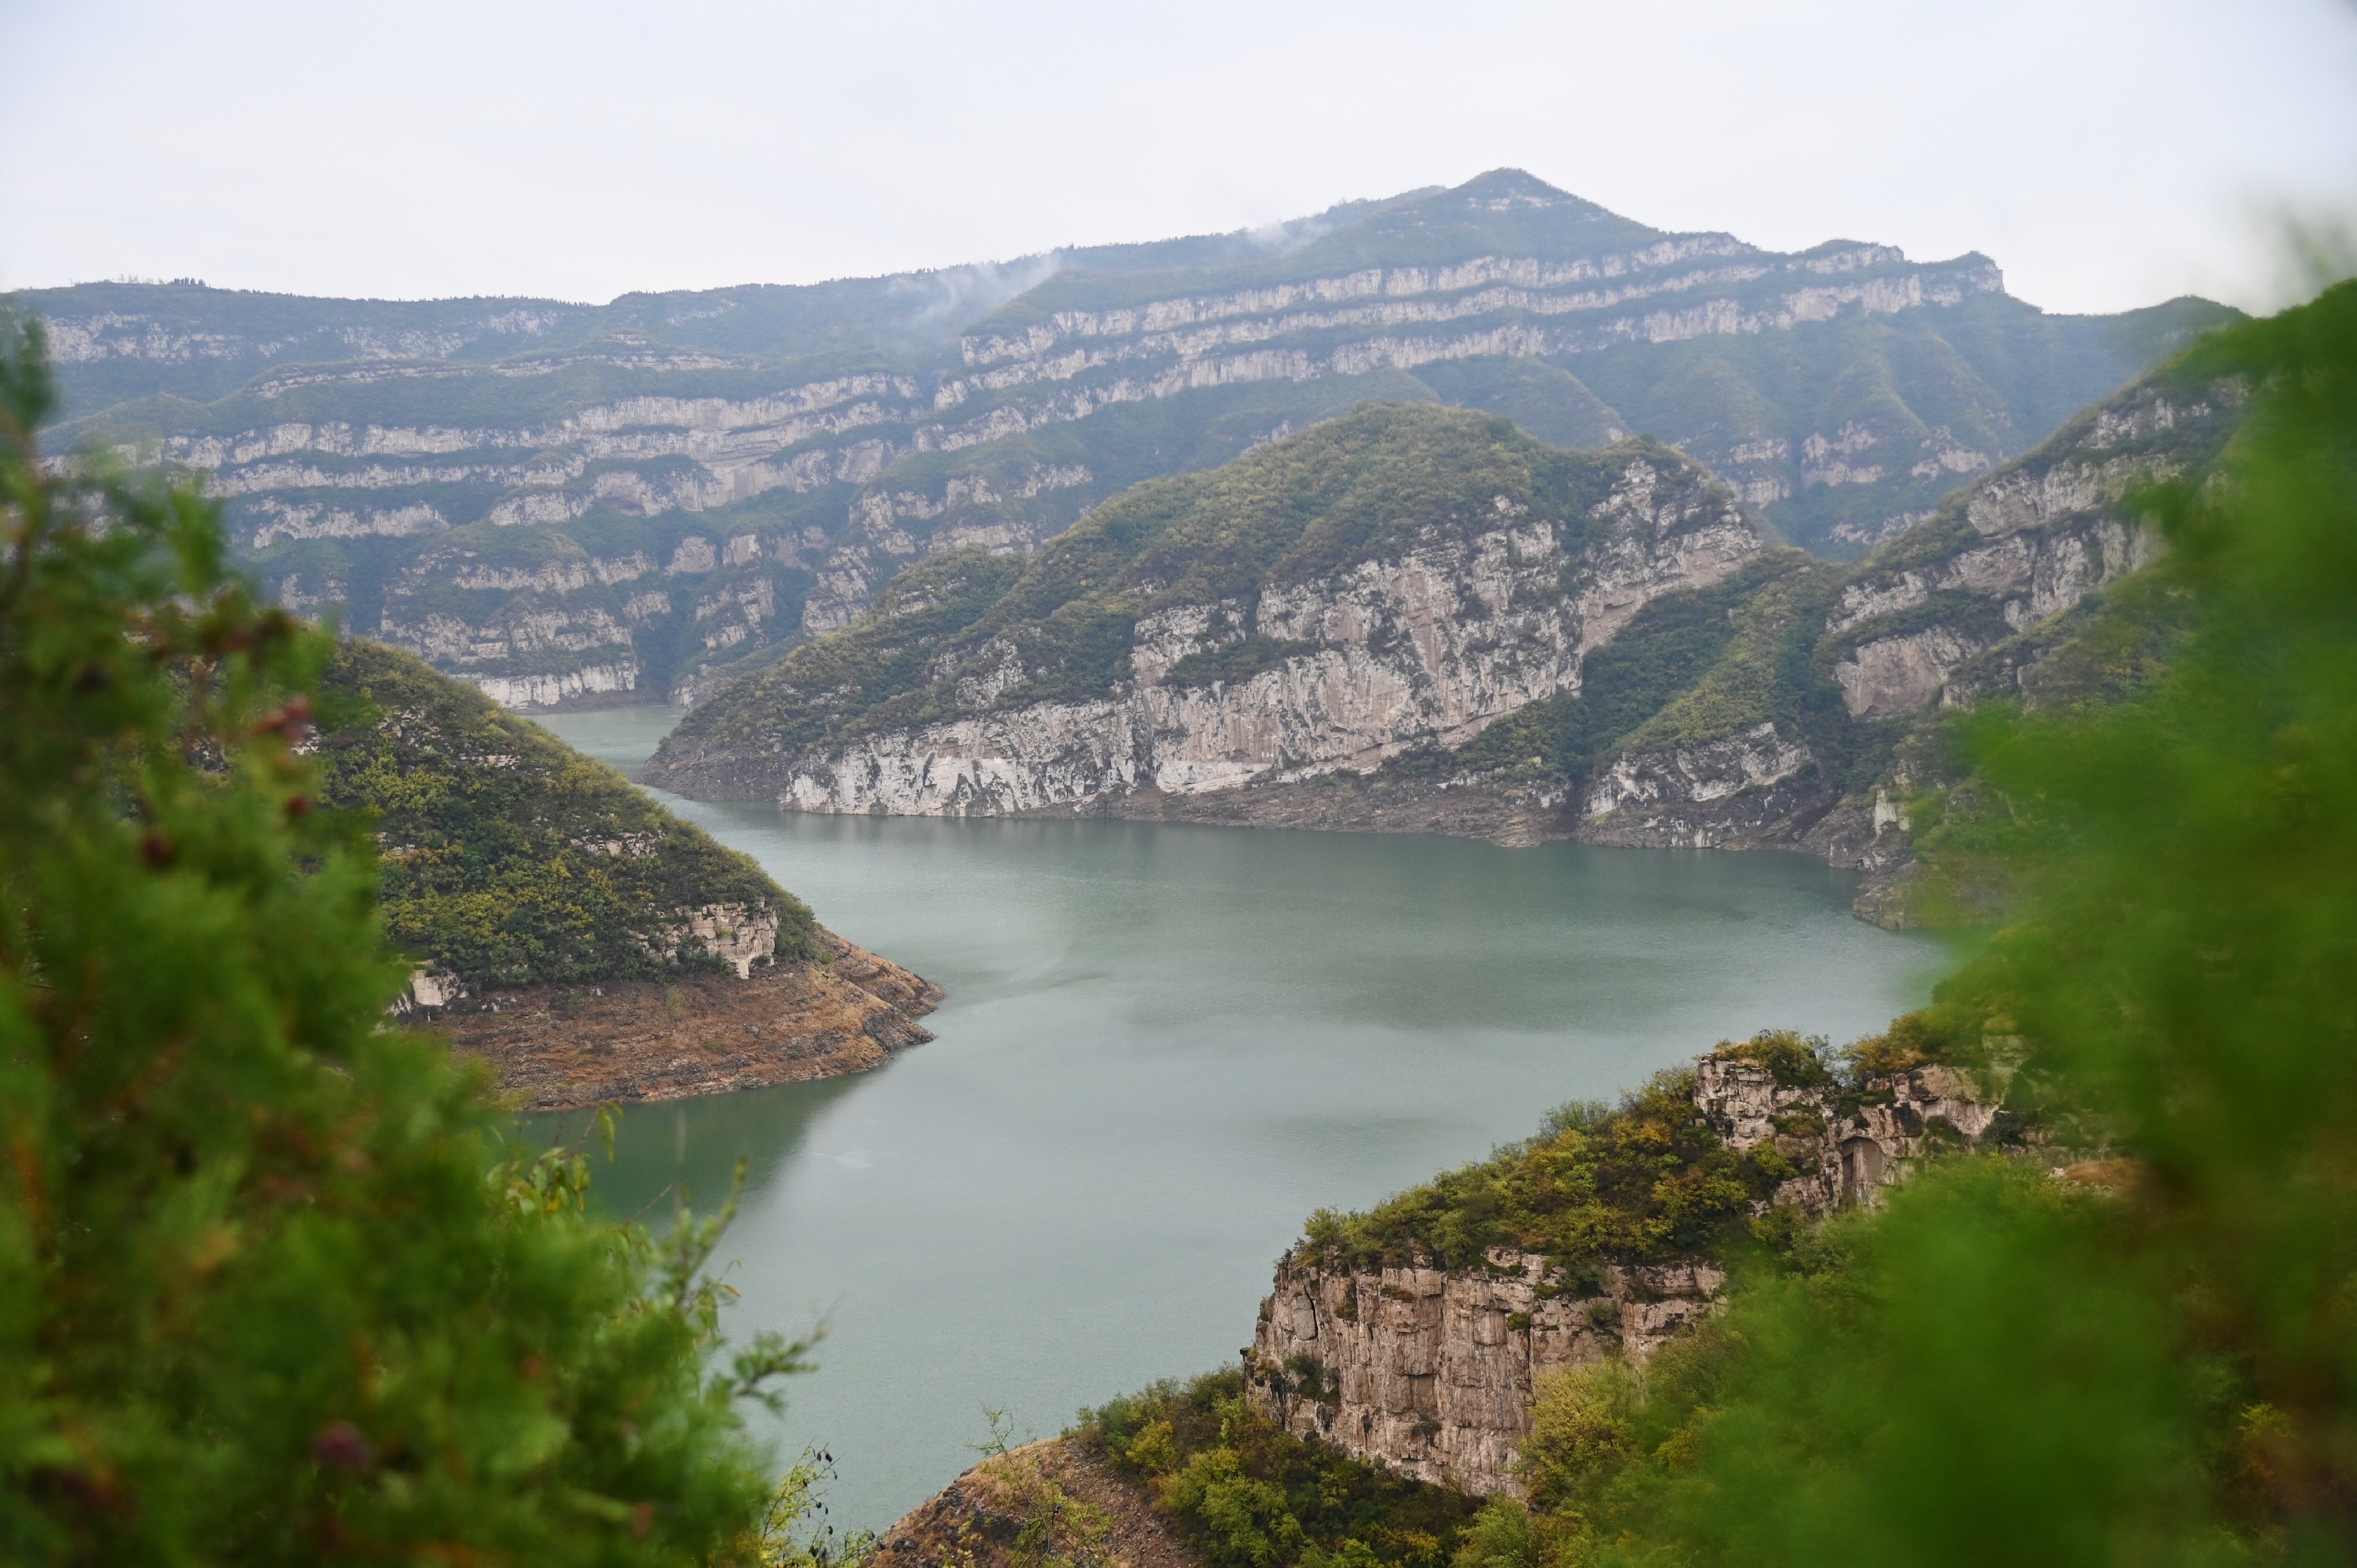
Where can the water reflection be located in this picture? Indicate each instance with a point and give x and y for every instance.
(686, 1151)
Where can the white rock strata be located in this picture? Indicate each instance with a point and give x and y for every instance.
(1427, 649)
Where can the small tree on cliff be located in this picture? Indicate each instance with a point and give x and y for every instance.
(269, 1292)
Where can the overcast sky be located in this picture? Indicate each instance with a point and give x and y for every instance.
(2106, 152)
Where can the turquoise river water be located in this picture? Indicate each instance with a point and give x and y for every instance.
(1162, 1047)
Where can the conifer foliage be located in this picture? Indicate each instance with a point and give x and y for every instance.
(271, 1288)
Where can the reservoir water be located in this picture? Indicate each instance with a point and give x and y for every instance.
(1163, 1046)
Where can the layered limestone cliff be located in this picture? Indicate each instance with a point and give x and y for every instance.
(1421, 650)
(1494, 591)
(1744, 791)
(2021, 546)
(1957, 609)
(372, 454)
(1433, 1372)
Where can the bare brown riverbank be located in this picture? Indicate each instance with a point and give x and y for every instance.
(565, 1048)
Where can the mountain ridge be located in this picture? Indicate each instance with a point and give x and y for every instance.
(733, 471)
(1496, 654)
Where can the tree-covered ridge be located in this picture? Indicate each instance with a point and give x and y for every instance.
(958, 635)
(817, 440)
(510, 859)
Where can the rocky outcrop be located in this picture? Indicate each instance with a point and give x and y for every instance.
(1959, 607)
(1746, 792)
(1850, 1151)
(563, 1048)
(1434, 1371)
(1398, 654)
(2028, 542)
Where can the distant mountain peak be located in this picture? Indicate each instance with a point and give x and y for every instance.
(1508, 189)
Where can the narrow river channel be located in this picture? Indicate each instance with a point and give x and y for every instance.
(1163, 1047)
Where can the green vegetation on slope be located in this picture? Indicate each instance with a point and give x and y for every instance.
(1989, 376)
(2149, 1361)
(488, 407)
(1250, 1495)
(1367, 487)
(1642, 1183)
(272, 1289)
(510, 859)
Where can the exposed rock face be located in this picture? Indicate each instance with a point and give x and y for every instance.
(1899, 674)
(565, 1048)
(2021, 545)
(1433, 1372)
(1426, 648)
(1477, 617)
(1960, 597)
(851, 429)
(739, 934)
(1741, 793)
(1856, 1157)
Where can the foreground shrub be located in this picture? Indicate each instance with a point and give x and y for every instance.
(271, 1288)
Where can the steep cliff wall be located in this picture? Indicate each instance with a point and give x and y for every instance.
(1799, 738)
(818, 441)
(1395, 580)
(1433, 1372)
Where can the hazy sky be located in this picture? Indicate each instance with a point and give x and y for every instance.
(2107, 153)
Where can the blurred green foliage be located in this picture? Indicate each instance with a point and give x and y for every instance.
(272, 1289)
(2155, 1362)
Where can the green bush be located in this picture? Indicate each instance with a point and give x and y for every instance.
(271, 1290)
(1647, 1182)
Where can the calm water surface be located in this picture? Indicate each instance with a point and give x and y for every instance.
(1163, 1047)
